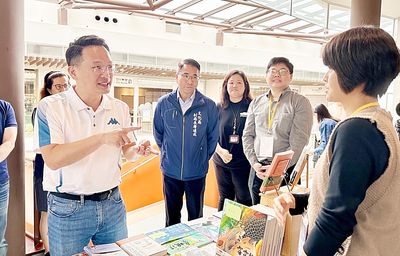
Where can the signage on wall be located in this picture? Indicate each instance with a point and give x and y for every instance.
(124, 81)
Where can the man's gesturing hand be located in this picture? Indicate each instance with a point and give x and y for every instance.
(118, 137)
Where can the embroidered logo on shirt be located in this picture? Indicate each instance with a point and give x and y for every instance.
(113, 121)
(196, 121)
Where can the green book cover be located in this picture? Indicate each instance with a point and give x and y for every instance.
(194, 239)
(241, 230)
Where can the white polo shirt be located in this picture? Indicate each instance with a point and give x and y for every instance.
(65, 118)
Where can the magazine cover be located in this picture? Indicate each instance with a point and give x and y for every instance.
(241, 230)
(170, 233)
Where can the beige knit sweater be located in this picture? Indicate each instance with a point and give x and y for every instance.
(378, 216)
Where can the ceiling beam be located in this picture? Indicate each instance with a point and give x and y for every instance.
(285, 23)
(118, 5)
(176, 18)
(301, 28)
(243, 15)
(278, 34)
(263, 13)
(183, 7)
(217, 10)
(248, 3)
(276, 15)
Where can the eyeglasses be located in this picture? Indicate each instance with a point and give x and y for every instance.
(187, 77)
(61, 86)
(102, 69)
(281, 72)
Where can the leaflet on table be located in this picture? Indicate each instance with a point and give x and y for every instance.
(207, 250)
(142, 245)
(111, 249)
(194, 239)
(170, 233)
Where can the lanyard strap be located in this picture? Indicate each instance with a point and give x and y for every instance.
(271, 113)
(235, 117)
(368, 105)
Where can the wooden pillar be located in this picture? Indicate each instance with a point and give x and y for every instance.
(12, 90)
(365, 12)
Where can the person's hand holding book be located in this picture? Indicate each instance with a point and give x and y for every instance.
(261, 170)
(282, 204)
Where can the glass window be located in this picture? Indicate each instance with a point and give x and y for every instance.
(311, 10)
(282, 6)
(339, 18)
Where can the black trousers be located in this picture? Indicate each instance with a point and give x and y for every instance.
(257, 184)
(173, 196)
(233, 184)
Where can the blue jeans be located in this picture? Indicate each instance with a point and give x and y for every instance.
(4, 191)
(73, 223)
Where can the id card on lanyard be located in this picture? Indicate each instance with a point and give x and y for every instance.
(234, 137)
(266, 145)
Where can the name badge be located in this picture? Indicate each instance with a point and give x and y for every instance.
(234, 139)
(266, 146)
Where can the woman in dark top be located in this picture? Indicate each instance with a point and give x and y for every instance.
(54, 82)
(353, 205)
(231, 166)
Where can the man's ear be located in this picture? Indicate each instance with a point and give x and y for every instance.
(291, 78)
(72, 72)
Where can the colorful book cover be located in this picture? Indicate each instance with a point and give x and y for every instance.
(275, 172)
(209, 227)
(170, 233)
(207, 250)
(194, 239)
(241, 230)
(142, 245)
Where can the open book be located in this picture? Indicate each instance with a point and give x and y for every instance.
(275, 172)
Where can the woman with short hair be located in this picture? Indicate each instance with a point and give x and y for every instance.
(354, 203)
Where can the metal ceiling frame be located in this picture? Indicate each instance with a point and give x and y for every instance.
(243, 23)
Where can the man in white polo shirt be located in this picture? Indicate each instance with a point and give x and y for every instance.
(81, 134)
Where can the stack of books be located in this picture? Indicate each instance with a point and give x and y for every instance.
(176, 240)
(179, 237)
(250, 231)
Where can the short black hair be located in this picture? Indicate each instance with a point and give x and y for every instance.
(74, 51)
(190, 62)
(281, 60)
(363, 55)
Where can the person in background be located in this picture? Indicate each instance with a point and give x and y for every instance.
(354, 207)
(82, 133)
(278, 120)
(397, 125)
(54, 82)
(186, 131)
(231, 166)
(326, 125)
(8, 135)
